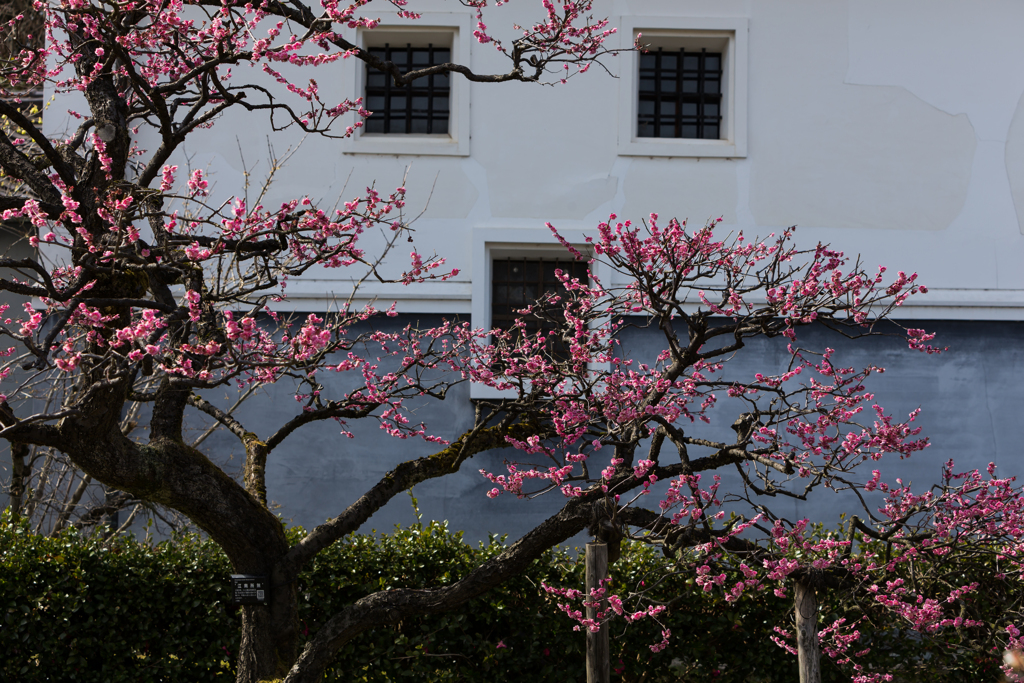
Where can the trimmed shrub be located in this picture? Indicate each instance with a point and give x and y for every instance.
(87, 609)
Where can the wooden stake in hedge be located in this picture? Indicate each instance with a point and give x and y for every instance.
(598, 669)
(808, 649)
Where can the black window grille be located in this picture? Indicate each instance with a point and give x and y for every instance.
(519, 282)
(680, 94)
(419, 107)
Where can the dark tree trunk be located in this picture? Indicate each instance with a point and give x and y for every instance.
(169, 472)
(269, 637)
(19, 477)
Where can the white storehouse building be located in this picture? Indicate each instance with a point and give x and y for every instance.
(893, 129)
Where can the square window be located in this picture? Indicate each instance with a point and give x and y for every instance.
(685, 96)
(519, 282)
(392, 115)
(517, 266)
(427, 117)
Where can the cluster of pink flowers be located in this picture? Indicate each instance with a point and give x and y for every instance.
(605, 607)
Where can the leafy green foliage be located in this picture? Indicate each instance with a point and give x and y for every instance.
(88, 609)
(85, 609)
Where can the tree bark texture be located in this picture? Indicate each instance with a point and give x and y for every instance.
(19, 476)
(598, 668)
(808, 648)
(269, 637)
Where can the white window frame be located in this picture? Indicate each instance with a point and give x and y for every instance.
(728, 34)
(432, 27)
(492, 243)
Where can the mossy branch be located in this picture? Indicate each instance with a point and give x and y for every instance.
(398, 480)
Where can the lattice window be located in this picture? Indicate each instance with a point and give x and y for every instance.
(518, 282)
(422, 106)
(680, 94)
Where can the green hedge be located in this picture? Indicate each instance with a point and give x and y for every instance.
(85, 609)
(82, 609)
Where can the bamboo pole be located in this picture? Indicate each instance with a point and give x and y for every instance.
(598, 670)
(808, 649)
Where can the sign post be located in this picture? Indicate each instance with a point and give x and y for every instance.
(249, 589)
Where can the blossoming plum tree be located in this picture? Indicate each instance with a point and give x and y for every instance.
(809, 424)
(146, 292)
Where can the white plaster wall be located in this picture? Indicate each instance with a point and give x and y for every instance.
(890, 128)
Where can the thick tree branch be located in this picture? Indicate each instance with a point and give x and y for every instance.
(398, 480)
(16, 164)
(64, 170)
(168, 411)
(389, 607)
(51, 210)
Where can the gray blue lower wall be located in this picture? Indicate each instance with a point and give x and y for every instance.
(971, 398)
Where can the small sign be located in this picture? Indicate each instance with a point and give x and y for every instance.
(249, 589)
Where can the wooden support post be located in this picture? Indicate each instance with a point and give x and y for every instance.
(598, 670)
(808, 648)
